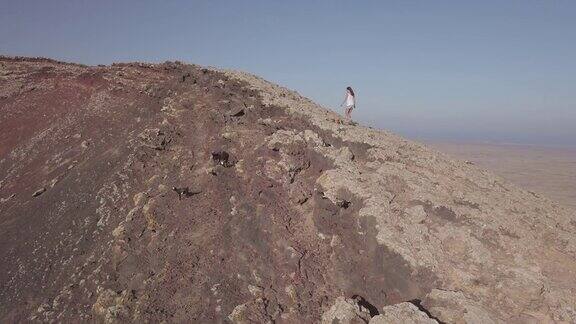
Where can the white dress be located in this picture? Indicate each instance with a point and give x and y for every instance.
(350, 102)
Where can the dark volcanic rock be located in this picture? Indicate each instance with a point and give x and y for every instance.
(38, 192)
(163, 201)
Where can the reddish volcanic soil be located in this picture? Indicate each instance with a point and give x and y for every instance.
(77, 140)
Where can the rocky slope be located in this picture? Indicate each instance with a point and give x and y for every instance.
(171, 192)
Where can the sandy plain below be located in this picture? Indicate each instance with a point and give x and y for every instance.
(549, 171)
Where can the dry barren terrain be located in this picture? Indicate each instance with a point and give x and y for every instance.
(546, 170)
(177, 193)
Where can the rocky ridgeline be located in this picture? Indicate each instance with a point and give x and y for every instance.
(172, 192)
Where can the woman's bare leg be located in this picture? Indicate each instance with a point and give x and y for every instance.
(348, 112)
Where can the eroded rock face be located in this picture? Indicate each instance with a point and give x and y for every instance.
(502, 252)
(171, 192)
(403, 313)
(346, 311)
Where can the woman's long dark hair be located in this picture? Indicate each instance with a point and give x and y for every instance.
(351, 91)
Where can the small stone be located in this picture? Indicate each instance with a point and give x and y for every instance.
(118, 231)
(38, 192)
(291, 292)
(223, 158)
(342, 203)
(238, 314)
(53, 182)
(238, 112)
(417, 213)
(3, 200)
(132, 213)
(255, 290)
(228, 135)
(42, 308)
(265, 121)
(335, 240)
(139, 197)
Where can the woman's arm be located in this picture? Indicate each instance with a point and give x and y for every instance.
(344, 101)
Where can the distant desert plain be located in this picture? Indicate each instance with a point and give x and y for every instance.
(549, 171)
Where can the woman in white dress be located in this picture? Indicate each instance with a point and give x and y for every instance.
(350, 102)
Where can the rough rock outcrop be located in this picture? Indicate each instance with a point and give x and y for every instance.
(172, 192)
(346, 311)
(403, 313)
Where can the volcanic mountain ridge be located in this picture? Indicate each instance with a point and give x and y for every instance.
(171, 192)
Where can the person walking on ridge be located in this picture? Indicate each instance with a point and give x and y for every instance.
(349, 102)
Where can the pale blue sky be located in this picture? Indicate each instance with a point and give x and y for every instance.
(460, 70)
